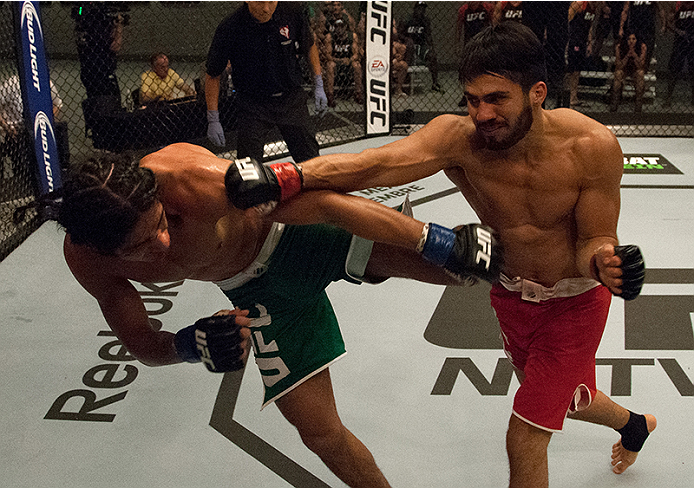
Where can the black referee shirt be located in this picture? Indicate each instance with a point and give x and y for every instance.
(264, 57)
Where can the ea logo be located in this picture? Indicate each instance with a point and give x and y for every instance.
(378, 66)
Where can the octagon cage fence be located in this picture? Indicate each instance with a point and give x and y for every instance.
(98, 54)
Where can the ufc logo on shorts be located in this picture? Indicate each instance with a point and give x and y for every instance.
(271, 366)
(201, 340)
(246, 169)
(484, 239)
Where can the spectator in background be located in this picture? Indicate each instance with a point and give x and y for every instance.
(549, 21)
(472, 18)
(99, 33)
(582, 18)
(681, 23)
(324, 26)
(399, 62)
(631, 54)
(17, 139)
(508, 11)
(334, 11)
(609, 20)
(160, 83)
(418, 28)
(642, 18)
(344, 55)
(263, 41)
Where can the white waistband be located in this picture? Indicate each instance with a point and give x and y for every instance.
(259, 265)
(535, 292)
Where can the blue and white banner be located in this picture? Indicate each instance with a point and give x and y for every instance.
(36, 93)
(379, 22)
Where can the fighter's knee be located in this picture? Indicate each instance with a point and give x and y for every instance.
(521, 438)
(326, 442)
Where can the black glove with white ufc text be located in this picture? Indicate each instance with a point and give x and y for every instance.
(467, 250)
(252, 184)
(216, 341)
(633, 270)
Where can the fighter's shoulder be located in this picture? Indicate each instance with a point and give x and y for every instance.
(588, 136)
(176, 159)
(451, 126)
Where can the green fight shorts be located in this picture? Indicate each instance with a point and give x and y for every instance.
(294, 330)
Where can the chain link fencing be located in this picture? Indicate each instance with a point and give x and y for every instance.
(18, 185)
(100, 53)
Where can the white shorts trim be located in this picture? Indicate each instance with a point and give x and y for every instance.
(581, 400)
(560, 431)
(535, 292)
(259, 265)
(302, 380)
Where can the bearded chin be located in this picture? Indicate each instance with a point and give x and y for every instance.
(520, 129)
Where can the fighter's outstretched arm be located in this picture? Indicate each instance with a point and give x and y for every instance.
(429, 150)
(360, 216)
(226, 341)
(467, 250)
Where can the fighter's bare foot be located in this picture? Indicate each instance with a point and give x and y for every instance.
(622, 458)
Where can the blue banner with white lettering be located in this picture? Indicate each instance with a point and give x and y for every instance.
(36, 92)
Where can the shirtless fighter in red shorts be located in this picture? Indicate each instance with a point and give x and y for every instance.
(548, 182)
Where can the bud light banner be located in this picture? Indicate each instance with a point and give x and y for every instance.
(36, 91)
(379, 22)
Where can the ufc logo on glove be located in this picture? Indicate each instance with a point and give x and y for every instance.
(246, 169)
(201, 340)
(484, 239)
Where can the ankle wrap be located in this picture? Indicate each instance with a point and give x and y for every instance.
(634, 433)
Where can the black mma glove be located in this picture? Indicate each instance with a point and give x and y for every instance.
(216, 341)
(467, 250)
(633, 270)
(252, 184)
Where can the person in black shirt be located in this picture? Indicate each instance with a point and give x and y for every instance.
(550, 23)
(681, 22)
(344, 48)
(418, 28)
(582, 17)
(99, 37)
(262, 42)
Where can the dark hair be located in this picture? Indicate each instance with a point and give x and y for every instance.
(156, 56)
(102, 200)
(624, 42)
(509, 49)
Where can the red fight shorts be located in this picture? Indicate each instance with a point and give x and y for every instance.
(553, 342)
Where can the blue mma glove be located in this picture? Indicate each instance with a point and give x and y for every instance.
(216, 341)
(467, 250)
(633, 270)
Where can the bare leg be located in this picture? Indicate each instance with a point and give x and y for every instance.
(526, 446)
(640, 88)
(604, 411)
(311, 409)
(617, 89)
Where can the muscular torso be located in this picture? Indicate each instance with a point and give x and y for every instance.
(530, 196)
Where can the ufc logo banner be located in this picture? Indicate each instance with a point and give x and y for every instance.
(378, 28)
